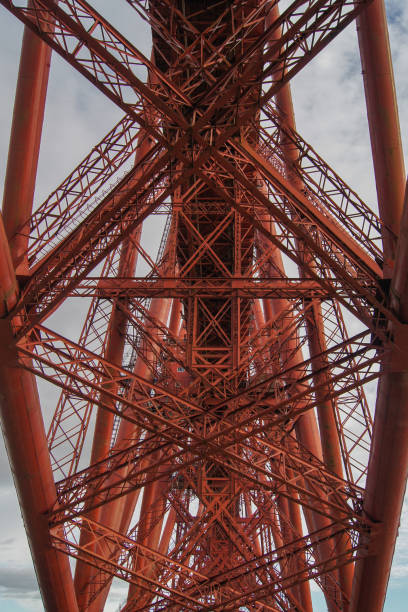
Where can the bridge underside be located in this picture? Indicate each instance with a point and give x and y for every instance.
(212, 445)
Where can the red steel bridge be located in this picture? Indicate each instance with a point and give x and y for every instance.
(212, 445)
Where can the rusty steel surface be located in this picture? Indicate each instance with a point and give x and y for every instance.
(212, 445)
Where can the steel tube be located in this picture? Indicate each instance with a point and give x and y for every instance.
(118, 514)
(24, 435)
(22, 422)
(382, 114)
(105, 419)
(307, 433)
(114, 353)
(24, 147)
(316, 340)
(388, 467)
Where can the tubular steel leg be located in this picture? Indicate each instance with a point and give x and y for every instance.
(382, 113)
(317, 344)
(388, 467)
(23, 431)
(24, 435)
(153, 506)
(22, 423)
(302, 590)
(114, 353)
(119, 512)
(308, 435)
(104, 419)
(24, 147)
(146, 598)
(8, 281)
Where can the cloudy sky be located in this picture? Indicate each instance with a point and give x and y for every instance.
(330, 114)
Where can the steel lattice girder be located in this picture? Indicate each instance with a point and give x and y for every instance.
(215, 403)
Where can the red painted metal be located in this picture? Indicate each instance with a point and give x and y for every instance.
(211, 443)
(21, 416)
(388, 469)
(326, 411)
(382, 114)
(25, 145)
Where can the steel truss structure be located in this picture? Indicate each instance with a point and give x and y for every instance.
(212, 445)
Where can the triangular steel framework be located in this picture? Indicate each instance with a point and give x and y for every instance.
(212, 445)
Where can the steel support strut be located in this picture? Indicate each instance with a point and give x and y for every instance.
(22, 422)
(382, 114)
(316, 342)
(388, 466)
(25, 145)
(114, 353)
(327, 427)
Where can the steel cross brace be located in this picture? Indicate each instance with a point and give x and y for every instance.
(172, 402)
(199, 585)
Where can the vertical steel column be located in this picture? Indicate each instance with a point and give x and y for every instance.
(118, 513)
(317, 344)
(24, 146)
(307, 433)
(149, 529)
(382, 114)
(155, 569)
(301, 592)
(104, 419)
(22, 423)
(114, 353)
(8, 281)
(388, 467)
